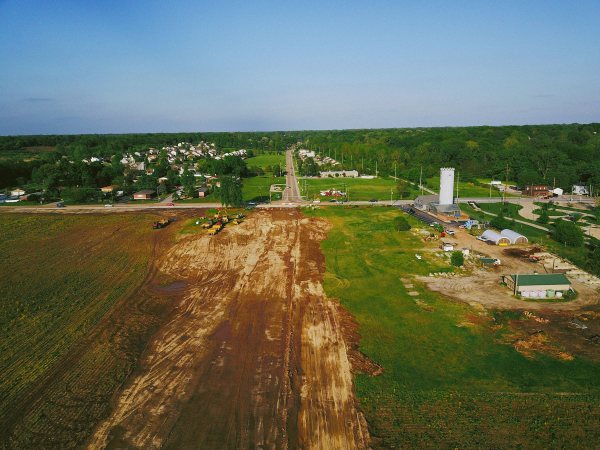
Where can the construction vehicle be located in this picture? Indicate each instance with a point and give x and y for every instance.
(214, 229)
(431, 237)
(161, 223)
(208, 224)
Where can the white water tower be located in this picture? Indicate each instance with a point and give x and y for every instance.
(446, 186)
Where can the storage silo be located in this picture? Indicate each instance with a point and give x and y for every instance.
(446, 185)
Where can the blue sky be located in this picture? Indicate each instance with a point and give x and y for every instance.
(152, 66)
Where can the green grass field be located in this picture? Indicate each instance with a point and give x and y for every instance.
(467, 189)
(445, 385)
(253, 191)
(360, 189)
(266, 160)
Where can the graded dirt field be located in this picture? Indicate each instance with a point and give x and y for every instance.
(253, 355)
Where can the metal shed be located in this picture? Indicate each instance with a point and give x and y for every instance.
(496, 238)
(515, 238)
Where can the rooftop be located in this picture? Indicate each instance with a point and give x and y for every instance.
(542, 279)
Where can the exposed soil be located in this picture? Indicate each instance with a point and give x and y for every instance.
(484, 287)
(254, 355)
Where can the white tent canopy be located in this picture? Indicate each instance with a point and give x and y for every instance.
(496, 238)
(515, 238)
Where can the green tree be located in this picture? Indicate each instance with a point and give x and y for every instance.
(544, 217)
(457, 259)
(401, 224)
(188, 179)
(568, 233)
(402, 188)
(500, 222)
(231, 191)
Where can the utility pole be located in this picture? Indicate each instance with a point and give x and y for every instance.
(375, 168)
(391, 196)
(457, 181)
(505, 187)
(421, 180)
(395, 174)
(490, 194)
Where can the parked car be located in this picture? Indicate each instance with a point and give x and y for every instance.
(108, 205)
(373, 200)
(450, 232)
(60, 205)
(170, 204)
(333, 200)
(317, 201)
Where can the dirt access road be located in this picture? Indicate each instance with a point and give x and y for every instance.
(254, 355)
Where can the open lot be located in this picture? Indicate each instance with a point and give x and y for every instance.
(457, 373)
(242, 348)
(255, 186)
(266, 160)
(239, 341)
(73, 320)
(361, 189)
(468, 189)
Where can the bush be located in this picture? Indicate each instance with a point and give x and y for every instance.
(544, 217)
(500, 222)
(457, 259)
(568, 233)
(401, 224)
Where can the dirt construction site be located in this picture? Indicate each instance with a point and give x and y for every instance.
(483, 287)
(254, 355)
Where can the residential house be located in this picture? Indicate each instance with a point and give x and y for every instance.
(108, 189)
(17, 192)
(146, 194)
(201, 192)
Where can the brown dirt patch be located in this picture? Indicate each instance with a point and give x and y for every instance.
(253, 356)
(539, 341)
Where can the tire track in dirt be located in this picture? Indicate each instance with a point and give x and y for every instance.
(254, 354)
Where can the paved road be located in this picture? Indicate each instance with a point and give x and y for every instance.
(291, 194)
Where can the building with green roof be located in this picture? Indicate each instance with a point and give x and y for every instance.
(557, 282)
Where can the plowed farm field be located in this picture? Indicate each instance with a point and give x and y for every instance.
(119, 336)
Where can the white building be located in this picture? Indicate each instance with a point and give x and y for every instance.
(341, 173)
(581, 189)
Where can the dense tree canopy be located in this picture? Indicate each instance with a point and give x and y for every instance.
(559, 155)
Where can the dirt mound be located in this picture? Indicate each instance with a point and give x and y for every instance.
(519, 252)
(538, 341)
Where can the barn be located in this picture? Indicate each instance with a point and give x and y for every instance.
(496, 238)
(515, 238)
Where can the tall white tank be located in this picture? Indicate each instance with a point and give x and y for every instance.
(446, 186)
